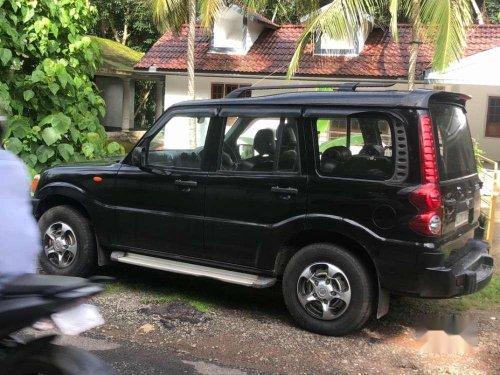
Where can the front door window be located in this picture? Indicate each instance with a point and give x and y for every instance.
(179, 144)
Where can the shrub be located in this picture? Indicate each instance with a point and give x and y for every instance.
(46, 65)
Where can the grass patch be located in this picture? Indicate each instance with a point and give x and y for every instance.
(198, 304)
(114, 287)
(488, 298)
(156, 287)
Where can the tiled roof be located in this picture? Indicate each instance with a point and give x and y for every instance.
(271, 54)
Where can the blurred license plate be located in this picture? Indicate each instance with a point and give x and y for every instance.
(78, 319)
(462, 218)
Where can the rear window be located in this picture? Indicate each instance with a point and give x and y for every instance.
(456, 155)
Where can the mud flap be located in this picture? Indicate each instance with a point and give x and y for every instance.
(384, 298)
(102, 256)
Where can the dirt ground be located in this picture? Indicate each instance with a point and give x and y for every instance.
(165, 323)
(251, 330)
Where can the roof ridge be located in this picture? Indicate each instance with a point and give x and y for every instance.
(271, 53)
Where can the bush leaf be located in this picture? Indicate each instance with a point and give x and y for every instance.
(14, 145)
(50, 136)
(28, 94)
(65, 150)
(44, 153)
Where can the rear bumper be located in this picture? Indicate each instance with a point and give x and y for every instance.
(466, 275)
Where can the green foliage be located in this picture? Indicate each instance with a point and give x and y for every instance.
(127, 22)
(46, 63)
(478, 152)
(493, 11)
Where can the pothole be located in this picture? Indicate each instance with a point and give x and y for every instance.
(176, 311)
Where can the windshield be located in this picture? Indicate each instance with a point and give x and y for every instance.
(456, 155)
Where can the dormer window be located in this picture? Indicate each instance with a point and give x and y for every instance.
(334, 47)
(353, 46)
(235, 31)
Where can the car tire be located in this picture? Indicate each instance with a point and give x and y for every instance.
(68, 243)
(308, 287)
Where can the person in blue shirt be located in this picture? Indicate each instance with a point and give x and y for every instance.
(20, 241)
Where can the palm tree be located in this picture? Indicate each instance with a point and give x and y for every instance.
(444, 23)
(172, 15)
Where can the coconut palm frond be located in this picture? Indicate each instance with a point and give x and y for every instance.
(169, 14)
(304, 39)
(446, 24)
(209, 10)
(394, 11)
(253, 5)
(341, 19)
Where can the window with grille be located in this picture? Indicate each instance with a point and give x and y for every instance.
(493, 117)
(219, 90)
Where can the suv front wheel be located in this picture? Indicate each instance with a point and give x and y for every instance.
(328, 290)
(68, 242)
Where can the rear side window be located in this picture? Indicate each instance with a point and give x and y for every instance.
(261, 144)
(456, 155)
(358, 146)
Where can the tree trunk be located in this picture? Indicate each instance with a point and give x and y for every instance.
(479, 15)
(190, 65)
(190, 47)
(415, 43)
(125, 34)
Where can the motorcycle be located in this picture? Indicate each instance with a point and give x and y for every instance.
(46, 301)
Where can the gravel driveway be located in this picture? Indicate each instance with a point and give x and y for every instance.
(240, 330)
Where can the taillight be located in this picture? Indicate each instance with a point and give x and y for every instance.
(427, 199)
(34, 183)
(428, 160)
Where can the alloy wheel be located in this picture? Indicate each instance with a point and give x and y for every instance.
(60, 245)
(324, 291)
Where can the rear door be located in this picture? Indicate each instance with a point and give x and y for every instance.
(460, 184)
(256, 195)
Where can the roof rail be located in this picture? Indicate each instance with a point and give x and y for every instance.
(349, 86)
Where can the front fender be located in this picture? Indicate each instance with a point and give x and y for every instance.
(64, 193)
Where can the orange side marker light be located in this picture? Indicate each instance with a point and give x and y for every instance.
(34, 183)
(97, 179)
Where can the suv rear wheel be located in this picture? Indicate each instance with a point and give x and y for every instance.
(328, 290)
(68, 242)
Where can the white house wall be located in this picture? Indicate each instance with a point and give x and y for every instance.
(176, 85)
(479, 69)
(253, 31)
(176, 91)
(477, 109)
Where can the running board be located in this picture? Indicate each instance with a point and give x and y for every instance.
(233, 277)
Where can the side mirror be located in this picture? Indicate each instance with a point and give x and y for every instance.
(139, 157)
(246, 151)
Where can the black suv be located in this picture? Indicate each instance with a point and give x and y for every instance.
(345, 196)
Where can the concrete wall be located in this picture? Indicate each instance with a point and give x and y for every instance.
(112, 92)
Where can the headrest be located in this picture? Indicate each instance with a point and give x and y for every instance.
(288, 138)
(264, 142)
(372, 150)
(338, 153)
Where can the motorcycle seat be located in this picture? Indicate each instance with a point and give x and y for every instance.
(41, 285)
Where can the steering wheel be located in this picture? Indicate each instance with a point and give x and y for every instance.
(228, 150)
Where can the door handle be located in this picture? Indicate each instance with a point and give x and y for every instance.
(286, 191)
(184, 183)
